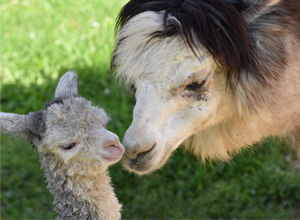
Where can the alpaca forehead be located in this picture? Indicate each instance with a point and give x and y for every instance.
(74, 120)
(138, 56)
(76, 112)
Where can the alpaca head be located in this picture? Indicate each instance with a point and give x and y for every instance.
(176, 94)
(69, 130)
(193, 65)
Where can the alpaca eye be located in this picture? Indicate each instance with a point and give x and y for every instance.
(194, 86)
(132, 90)
(68, 146)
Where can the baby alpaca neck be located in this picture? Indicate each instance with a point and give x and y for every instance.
(88, 196)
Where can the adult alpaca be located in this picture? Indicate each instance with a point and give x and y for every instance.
(215, 75)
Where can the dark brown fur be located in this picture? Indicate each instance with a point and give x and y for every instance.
(238, 45)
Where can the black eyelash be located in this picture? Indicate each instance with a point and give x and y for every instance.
(132, 90)
(68, 147)
(194, 86)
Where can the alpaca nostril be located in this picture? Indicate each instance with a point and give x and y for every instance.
(146, 152)
(112, 143)
(133, 154)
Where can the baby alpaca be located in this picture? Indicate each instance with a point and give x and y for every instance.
(75, 151)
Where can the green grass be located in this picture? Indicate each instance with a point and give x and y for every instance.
(41, 40)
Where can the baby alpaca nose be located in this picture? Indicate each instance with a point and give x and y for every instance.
(113, 142)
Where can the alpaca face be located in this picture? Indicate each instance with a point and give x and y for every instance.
(68, 130)
(165, 115)
(76, 134)
(177, 94)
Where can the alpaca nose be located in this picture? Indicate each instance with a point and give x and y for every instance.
(113, 142)
(135, 150)
(138, 141)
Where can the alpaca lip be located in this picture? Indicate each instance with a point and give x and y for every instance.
(113, 153)
(141, 164)
(146, 163)
(111, 158)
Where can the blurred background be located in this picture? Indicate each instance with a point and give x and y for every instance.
(40, 41)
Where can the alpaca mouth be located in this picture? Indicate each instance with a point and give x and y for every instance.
(111, 159)
(113, 153)
(146, 162)
(140, 165)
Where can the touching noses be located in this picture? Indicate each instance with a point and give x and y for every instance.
(138, 146)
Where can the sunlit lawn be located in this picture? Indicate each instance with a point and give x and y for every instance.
(41, 40)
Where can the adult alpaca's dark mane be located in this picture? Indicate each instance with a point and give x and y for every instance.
(217, 25)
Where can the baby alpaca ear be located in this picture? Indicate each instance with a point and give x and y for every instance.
(13, 124)
(67, 86)
(31, 126)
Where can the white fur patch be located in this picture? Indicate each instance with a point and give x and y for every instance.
(138, 57)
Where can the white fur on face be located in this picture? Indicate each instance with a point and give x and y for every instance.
(136, 58)
(166, 111)
(77, 121)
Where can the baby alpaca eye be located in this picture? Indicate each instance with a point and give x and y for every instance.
(194, 86)
(68, 146)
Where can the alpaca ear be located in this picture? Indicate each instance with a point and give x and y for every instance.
(31, 126)
(67, 86)
(259, 8)
(13, 124)
(252, 9)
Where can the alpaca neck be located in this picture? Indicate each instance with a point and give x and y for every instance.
(88, 196)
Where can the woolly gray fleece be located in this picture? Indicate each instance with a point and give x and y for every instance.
(75, 151)
(67, 204)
